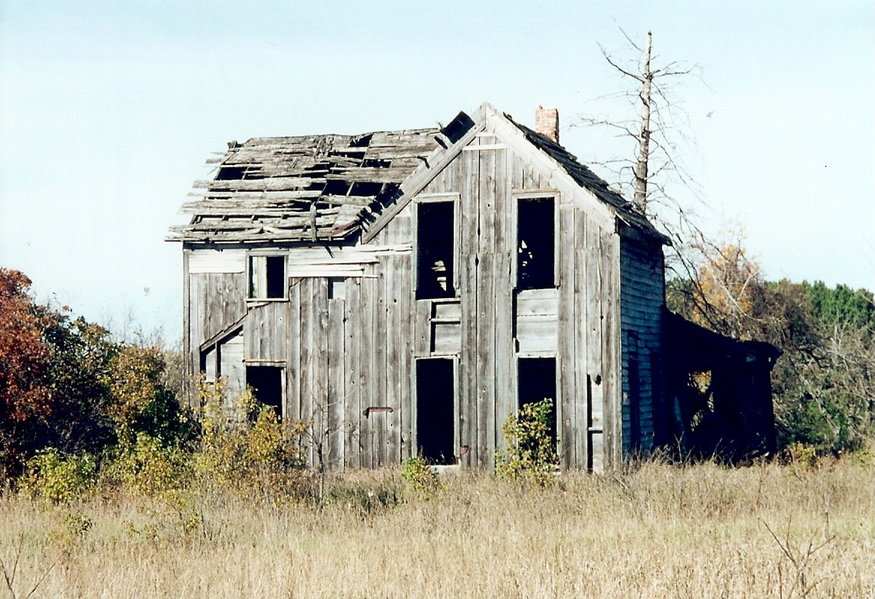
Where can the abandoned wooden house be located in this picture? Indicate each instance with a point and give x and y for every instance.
(407, 291)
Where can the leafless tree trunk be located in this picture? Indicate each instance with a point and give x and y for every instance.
(640, 198)
(653, 132)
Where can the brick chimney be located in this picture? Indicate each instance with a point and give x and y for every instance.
(547, 122)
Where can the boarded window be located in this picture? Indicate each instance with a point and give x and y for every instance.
(535, 243)
(537, 381)
(435, 253)
(267, 385)
(267, 277)
(434, 410)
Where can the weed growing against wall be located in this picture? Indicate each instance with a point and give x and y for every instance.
(246, 446)
(531, 451)
(420, 479)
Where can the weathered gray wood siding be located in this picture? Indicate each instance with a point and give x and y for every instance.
(642, 296)
(214, 290)
(350, 330)
(577, 323)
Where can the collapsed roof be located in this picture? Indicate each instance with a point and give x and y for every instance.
(331, 187)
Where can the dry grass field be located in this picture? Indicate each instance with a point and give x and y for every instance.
(658, 531)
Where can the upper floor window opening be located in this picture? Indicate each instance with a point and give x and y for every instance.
(435, 256)
(267, 277)
(536, 245)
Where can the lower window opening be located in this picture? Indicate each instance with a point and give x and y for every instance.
(537, 381)
(434, 410)
(267, 386)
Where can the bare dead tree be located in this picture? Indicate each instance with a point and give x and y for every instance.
(654, 174)
(657, 129)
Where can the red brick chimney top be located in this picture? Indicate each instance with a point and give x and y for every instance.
(547, 122)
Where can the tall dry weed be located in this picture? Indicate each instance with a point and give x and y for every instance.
(655, 531)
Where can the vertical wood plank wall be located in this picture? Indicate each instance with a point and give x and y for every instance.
(642, 297)
(349, 360)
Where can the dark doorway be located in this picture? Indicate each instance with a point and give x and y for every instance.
(537, 381)
(535, 243)
(434, 242)
(267, 384)
(434, 410)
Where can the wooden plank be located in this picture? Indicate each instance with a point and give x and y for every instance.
(336, 383)
(486, 360)
(469, 221)
(380, 367)
(538, 301)
(446, 310)
(504, 402)
(211, 367)
(292, 409)
(468, 360)
(505, 238)
(598, 296)
(538, 333)
(612, 361)
(352, 364)
(446, 338)
(191, 357)
(585, 315)
(320, 367)
(571, 320)
(422, 328)
(404, 337)
(308, 356)
(216, 261)
(393, 357)
(486, 202)
(265, 329)
(231, 365)
(366, 371)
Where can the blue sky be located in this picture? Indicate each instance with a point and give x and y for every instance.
(109, 109)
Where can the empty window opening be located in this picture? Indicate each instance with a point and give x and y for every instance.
(267, 386)
(336, 288)
(267, 277)
(435, 253)
(535, 243)
(537, 381)
(434, 410)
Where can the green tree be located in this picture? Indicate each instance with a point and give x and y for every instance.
(139, 398)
